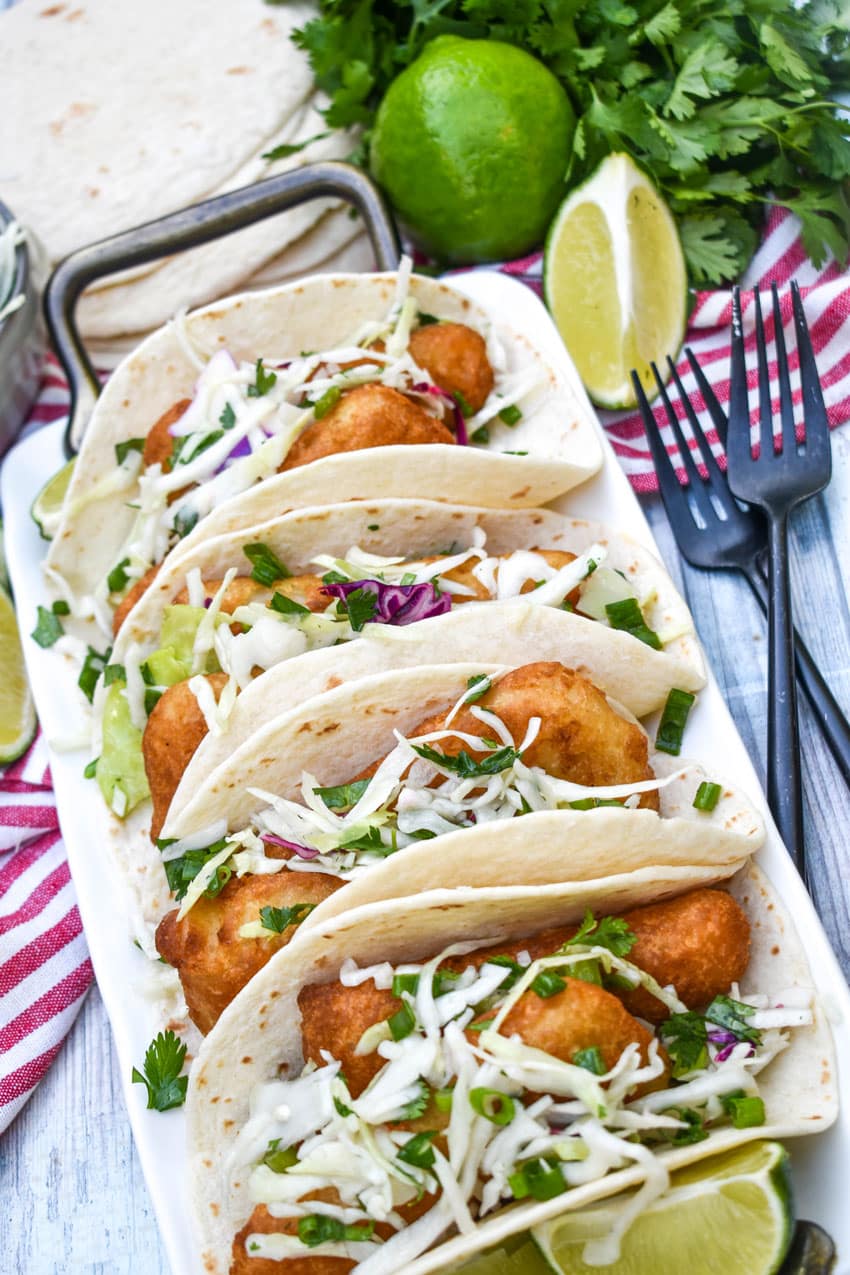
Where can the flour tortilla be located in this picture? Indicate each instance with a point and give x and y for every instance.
(260, 1030)
(629, 670)
(177, 104)
(557, 431)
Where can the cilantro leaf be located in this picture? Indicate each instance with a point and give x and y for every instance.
(163, 1063)
(343, 796)
(466, 766)
(263, 381)
(685, 1039)
(292, 148)
(276, 920)
(360, 605)
(608, 931)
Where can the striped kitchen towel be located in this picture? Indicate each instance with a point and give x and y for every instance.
(44, 969)
(44, 965)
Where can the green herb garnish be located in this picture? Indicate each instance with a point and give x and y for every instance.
(276, 920)
(627, 616)
(707, 796)
(267, 566)
(510, 415)
(671, 728)
(466, 766)
(93, 665)
(48, 629)
(162, 1066)
(122, 450)
(263, 381)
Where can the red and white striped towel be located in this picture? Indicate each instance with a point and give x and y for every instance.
(44, 969)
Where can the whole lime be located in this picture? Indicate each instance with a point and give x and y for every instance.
(471, 145)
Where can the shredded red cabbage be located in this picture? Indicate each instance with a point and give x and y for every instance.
(395, 603)
(461, 436)
(303, 852)
(726, 1039)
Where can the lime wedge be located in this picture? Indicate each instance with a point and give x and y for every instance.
(17, 714)
(46, 509)
(614, 280)
(731, 1213)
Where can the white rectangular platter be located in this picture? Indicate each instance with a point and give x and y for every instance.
(820, 1164)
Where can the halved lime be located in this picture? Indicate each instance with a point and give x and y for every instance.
(46, 509)
(615, 281)
(731, 1213)
(17, 713)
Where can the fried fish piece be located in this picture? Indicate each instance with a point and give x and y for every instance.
(372, 415)
(214, 962)
(581, 737)
(455, 357)
(131, 597)
(173, 732)
(159, 443)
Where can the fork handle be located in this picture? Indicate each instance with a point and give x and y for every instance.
(829, 715)
(784, 785)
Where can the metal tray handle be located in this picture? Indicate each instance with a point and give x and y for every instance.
(195, 225)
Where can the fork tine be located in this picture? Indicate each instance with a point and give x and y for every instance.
(786, 404)
(695, 482)
(715, 411)
(814, 408)
(738, 448)
(766, 444)
(672, 492)
(716, 480)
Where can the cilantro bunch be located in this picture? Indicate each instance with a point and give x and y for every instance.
(727, 104)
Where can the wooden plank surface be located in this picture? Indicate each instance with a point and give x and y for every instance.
(74, 1200)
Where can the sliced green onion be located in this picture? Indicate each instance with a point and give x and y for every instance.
(122, 450)
(747, 1112)
(267, 567)
(591, 1059)
(152, 697)
(539, 1179)
(671, 728)
(480, 435)
(443, 1099)
(496, 1106)
(402, 1023)
(114, 673)
(707, 796)
(627, 615)
(48, 629)
(464, 404)
(409, 577)
(278, 1158)
(593, 803)
(329, 399)
(418, 1150)
(93, 666)
(405, 983)
(286, 606)
(90, 771)
(117, 578)
(317, 1229)
(60, 607)
(510, 415)
(694, 1131)
(548, 983)
(588, 971)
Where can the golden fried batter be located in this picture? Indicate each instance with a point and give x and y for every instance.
(205, 948)
(334, 1017)
(131, 597)
(159, 443)
(455, 357)
(371, 415)
(699, 942)
(581, 737)
(242, 590)
(463, 574)
(174, 730)
(581, 1016)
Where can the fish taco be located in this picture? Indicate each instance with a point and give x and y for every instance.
(419, 1080)
(342, 386)
(457, 775)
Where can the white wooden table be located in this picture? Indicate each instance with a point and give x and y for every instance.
(73, 1197)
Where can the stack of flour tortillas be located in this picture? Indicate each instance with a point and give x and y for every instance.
(114, 112)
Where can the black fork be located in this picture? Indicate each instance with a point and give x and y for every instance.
(733, 541)
(776, 478)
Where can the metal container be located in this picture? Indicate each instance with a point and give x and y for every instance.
(22, 340)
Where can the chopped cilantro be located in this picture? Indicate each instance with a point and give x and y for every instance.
(360, 606)
(464, 405)
(684, 1037)
(482, 682)
(732, 1015)
(228, 417)
(184, 521)
(276, 920)
(267, 566)
(163, 1063)
(182, 872)
(61, 607)
(608, 931)
(292, 148)
(287, 606)
(117, 578)
(480, 435)
(591, 1059)
(263, 381)
(93, 666)
(122, 450)
(342, 796)
(329, 399)
(466, 766)
(48, 629)
(510, 415)
(114, 673)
